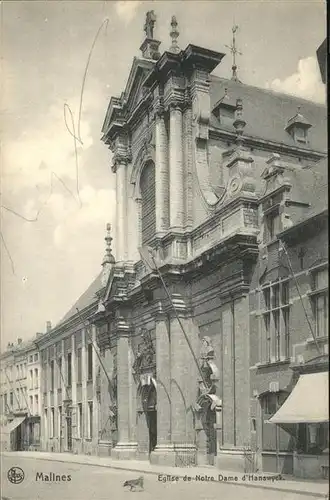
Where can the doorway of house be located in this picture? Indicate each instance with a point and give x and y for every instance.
(18, 443)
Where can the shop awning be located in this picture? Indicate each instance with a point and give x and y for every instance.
(307, 403)
(12, 425)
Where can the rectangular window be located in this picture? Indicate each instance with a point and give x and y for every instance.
(11, 399)
(267, 298)
(31, 359)
(31, 404)
(80, 421)
(52, 375)
(59, 423)
(79, 366)
(46, 424)
(5, 402)
(45, 378)
(273, 225)
(36, 357)
(69, 369)
(285, 293)
(90, 362)
(36, 378)
(90, 419)
(313, 438)
(277, 335)
(276, 295)
(59, 373)
(321, 315)
(31, 379)
(52, 423)
(268, 336)
(286, 321)
(36, 403)
(276, 327)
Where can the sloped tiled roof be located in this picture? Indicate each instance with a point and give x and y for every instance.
(267, 113)
(85, 300)
(311, 185)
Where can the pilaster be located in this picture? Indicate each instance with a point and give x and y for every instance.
(164, 451)
(184, 376)
(121, 158)
(121, 210)
(235, 380)
(127, 446)
(162, 173)
(177, 200)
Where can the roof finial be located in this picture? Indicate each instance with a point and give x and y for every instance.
(239, 122)
(149, 47)
(174, 33)
(108, 257)
(235, 52)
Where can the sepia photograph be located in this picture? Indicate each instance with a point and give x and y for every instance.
(164, 250)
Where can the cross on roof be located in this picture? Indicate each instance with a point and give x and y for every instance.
(150, 24)
(233, 49)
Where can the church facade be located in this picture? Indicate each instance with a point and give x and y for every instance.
(215, 295)
(209, 171)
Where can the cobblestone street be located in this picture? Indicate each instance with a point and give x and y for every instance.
(92, 482)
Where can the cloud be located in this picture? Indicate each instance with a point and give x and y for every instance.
(126, 9)
(305, 82)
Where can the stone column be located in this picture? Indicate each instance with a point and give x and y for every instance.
(177, 199)
(228, 379)
(121, 209)
(163, 453)
(126, 447)
(162, 177)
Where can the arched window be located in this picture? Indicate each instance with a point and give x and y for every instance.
(148, 197)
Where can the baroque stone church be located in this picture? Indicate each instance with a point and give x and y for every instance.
(192, 155)
(209, 171)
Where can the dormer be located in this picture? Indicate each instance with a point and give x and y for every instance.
(298, 127)
(224, 109)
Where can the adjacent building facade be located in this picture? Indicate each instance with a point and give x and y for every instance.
(20, 396)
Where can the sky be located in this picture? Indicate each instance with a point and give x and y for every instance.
(56, 209)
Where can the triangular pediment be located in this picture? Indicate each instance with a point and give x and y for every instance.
(134, 90)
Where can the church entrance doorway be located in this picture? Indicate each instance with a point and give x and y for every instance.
(152, 427)
(149, 407)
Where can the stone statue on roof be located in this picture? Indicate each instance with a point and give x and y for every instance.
(149, 24)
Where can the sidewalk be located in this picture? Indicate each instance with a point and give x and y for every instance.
(315, 489)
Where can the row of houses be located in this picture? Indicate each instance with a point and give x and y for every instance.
(204, 339)
(20, 402)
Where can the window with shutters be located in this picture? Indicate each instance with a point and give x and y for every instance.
(147, 188)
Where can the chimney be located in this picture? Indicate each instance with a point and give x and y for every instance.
(48, 326)
(19, 341)
(9, 345)
(38, 335)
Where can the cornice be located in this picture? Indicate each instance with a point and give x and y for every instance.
(67, 328)
(267, 145)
